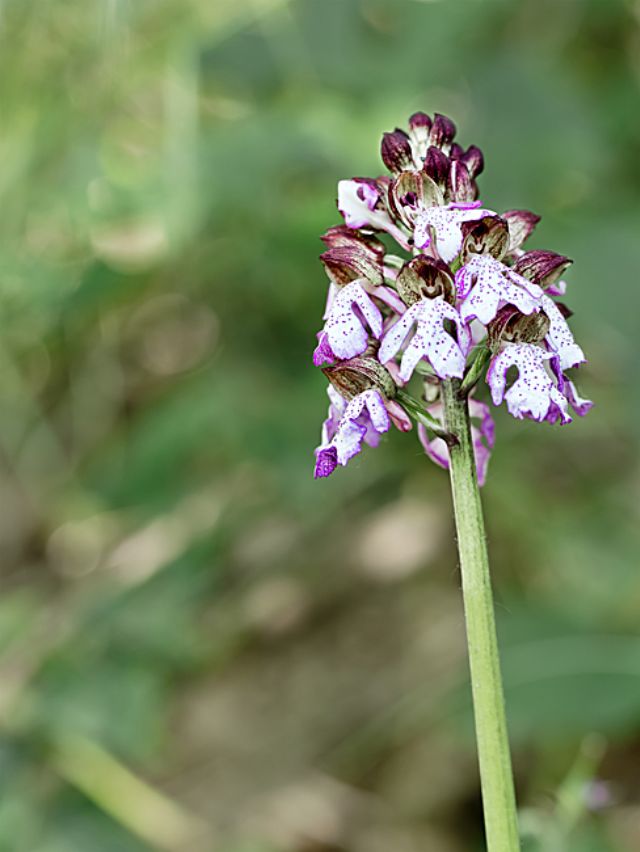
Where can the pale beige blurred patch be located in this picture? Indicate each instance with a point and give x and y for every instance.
(131, 246)
(624, 823)
(315, 810)
(399, 540)
(138, 556)
(266, 541)
(76, 548)
(275, 607)
(172, 333)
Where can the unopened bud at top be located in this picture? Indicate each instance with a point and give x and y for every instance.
(396, 151)
(442, 131)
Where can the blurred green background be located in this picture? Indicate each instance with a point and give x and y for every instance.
(201, 648)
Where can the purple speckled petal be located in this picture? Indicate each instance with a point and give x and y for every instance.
(534, 394)
(430, 340)
(486, 285)
(345, 329)
(559, 336)
(326, 462)
(323, 353)
(365, 418)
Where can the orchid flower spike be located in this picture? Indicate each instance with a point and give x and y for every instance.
(457, 298)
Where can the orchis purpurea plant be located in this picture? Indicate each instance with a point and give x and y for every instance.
(412, 333)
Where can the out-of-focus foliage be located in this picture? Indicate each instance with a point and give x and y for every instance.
(200, 647)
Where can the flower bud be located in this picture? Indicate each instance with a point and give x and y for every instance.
(419, 127)
(436, 165)
(396, 151)
(460, 186)
(425, 278)
(521, 224)
(442, 131)
(420, 123)
(542, 267)
(473, 159)
(489, 235)
(356, 375)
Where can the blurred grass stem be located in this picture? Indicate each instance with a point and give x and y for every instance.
(498, 796)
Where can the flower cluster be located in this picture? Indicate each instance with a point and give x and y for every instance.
(456, 294)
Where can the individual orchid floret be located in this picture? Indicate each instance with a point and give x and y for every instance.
(419, 203)
(482, 437)
(345, 329)
(485, 285)
(363, 205)
(364, 418)
(535, 393)
(358, 200)
(353, 377)
(430, 341)
(445, 224)
(425, 277)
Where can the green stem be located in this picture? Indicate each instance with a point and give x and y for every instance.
(496, 777)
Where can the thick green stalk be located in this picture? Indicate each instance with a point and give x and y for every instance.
(498, 796)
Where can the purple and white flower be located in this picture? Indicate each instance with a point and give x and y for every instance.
(364, 418)
(362, 205)
(535, 393)
(485, 285)
(430, 341)
(350, 311)
(445, 222)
